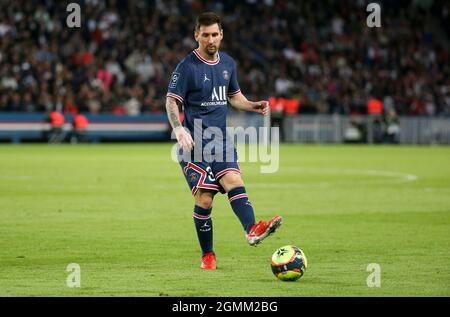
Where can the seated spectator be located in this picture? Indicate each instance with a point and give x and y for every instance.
(334, 63)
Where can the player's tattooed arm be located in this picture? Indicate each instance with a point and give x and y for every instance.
(240, 102)
(172, 112)
(183, 137)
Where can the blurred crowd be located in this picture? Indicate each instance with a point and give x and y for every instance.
(319, 52)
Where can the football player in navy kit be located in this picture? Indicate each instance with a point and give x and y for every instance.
(204, 83)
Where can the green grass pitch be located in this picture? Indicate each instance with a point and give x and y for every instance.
(124, 214)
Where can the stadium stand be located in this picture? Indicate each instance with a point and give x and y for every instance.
(320, 52)
(318, 56)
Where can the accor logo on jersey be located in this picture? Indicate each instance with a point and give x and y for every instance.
(218, 97)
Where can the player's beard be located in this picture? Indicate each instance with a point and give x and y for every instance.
(211, 50)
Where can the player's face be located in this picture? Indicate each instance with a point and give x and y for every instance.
(209, 38)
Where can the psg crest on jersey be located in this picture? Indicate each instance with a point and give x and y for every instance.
(226, 75)
(193, 177)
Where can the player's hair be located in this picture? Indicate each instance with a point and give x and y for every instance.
(207, 19)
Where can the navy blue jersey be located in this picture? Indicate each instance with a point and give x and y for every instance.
(202, 87)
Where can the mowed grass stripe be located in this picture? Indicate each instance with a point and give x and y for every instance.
(123, 213)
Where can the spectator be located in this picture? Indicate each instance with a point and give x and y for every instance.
(315, 50)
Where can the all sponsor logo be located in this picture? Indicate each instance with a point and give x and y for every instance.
(218, 97)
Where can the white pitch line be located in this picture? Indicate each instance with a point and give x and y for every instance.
(289, 185)
(399, 175)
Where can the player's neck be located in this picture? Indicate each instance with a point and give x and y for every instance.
(210, 58)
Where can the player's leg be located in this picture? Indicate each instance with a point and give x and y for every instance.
(202, 219)
(233, 184)
(204, 226)
(203, 189)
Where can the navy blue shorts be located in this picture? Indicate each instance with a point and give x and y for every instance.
(206, 175)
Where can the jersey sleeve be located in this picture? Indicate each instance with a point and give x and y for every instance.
(233, 85)
(179, 82)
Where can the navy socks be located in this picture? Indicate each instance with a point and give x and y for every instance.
(204, 227)
(242, 207)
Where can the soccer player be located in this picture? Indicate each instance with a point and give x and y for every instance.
(204, 82)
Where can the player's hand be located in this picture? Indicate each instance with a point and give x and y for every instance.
(261, 107)
(184, 139)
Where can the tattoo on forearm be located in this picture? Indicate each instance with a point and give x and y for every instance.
(173, 113)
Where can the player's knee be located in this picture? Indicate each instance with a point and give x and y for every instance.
(231, 180)
(204, 200)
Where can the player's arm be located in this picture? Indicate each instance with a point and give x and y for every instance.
(240, 102)
(173, 113)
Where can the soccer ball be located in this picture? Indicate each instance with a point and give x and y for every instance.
(289, 263)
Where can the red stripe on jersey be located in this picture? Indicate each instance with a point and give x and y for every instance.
(169, 94)
(234, 93)
(200, 183)
(205, 60)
